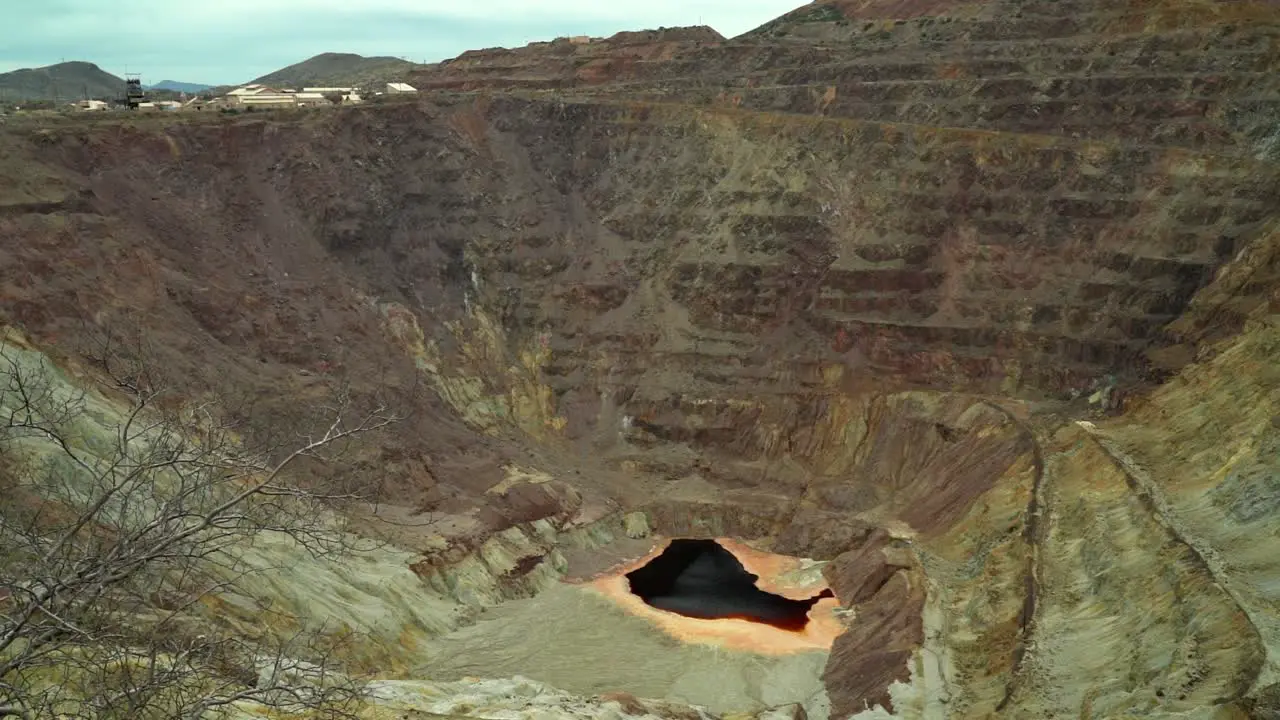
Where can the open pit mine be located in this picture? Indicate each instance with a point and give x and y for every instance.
(899, 358)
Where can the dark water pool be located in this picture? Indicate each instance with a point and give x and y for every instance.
(700, 579)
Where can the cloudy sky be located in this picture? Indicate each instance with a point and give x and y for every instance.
(231, 41)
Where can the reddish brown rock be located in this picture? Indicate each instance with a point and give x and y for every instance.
(858, 575)
(524, 503)
(880, 644)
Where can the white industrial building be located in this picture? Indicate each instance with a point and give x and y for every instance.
(267, 98)
(349, 95)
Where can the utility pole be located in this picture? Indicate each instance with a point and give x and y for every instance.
(56, 100)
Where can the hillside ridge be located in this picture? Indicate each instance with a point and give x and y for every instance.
(65, 82)
(338, 69)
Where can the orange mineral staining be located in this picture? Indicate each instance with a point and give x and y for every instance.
(818, 634)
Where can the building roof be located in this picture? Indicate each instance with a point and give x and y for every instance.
(247, 90)
(327, 90)
(401, 87)
(269, 98)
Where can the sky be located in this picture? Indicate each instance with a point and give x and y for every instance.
(223, 42)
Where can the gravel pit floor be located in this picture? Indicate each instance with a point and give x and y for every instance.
(575, 638)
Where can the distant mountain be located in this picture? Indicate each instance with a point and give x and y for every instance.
(338, 70)
(176, 86)
(64, 82)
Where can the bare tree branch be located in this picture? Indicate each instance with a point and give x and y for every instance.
(116, 533)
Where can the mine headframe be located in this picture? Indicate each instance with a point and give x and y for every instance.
(133, 92)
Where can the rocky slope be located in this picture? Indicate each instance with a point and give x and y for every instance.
(973, 301)
(1163, 72)
(563, 63)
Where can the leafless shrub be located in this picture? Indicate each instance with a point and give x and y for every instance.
(116, 531)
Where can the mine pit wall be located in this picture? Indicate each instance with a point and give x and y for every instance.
(1104, 540)
(456, 224)
(782, 293)
(1114, 577)
(700, 278)
(400, 604)
(1205, 449)
(866, 263)
(1196, 75)
(894, 242)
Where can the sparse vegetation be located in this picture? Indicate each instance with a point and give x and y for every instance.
(808, 14)
(124, 508)
(821, 13)
(339, 70)
(62, 83)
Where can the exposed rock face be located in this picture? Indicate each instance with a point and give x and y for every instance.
(566, 62)
(1164, 72)
(887, 599)
(841, 287)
